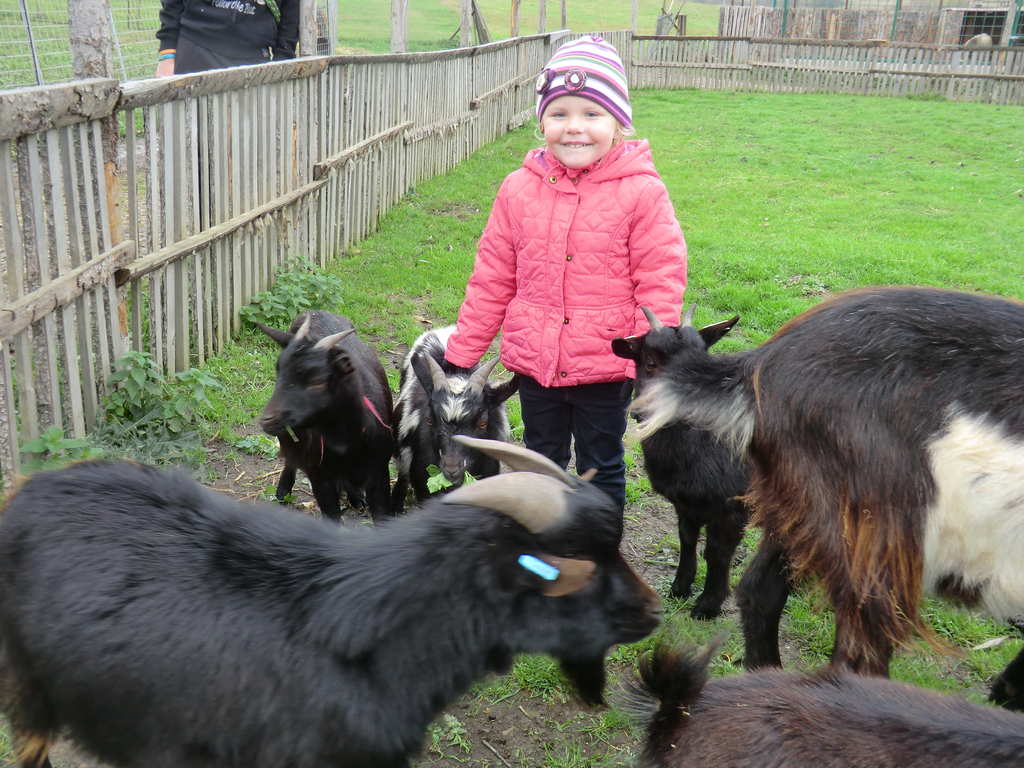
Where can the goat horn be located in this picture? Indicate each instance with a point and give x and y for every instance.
(652, 319)
(534, 501)
(303, 329)
(436, 373)
(518, 458)
(688, 317)
(479, 377)
(329, 341)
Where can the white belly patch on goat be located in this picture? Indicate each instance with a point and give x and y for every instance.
(975, 526)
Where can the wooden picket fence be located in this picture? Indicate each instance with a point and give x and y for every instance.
(145, 215)
(992, 75)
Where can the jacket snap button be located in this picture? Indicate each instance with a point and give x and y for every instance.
(565, 321)
(563, 374)
(552, 179)
(568, 257)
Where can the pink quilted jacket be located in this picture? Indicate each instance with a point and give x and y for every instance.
(566, 260)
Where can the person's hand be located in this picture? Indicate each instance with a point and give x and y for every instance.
(165, 68)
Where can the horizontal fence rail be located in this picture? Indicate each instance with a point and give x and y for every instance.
(991, 75)
(145, 215)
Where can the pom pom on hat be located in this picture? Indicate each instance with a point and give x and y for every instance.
(589, 67)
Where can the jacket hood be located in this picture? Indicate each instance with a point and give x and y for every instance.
(629, 158)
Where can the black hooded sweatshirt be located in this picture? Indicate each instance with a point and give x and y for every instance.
(239, 30)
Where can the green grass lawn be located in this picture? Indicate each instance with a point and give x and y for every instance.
(784, 199)
(365, 27)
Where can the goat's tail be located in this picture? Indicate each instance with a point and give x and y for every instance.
(669, 680)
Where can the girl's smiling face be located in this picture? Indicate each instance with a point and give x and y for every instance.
(578, 131)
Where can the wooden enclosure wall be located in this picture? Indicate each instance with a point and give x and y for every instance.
(992, 75)
(146, 215)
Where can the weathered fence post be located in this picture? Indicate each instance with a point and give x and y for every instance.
(633, 16)
(399, 11)
(92, 55)
(465, 23)
(307, 28)
(514, 25)
(92, 39)
(565, 16)
(542, 20)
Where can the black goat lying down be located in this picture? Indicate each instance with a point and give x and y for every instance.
(168, 626)
(691, 468)
(829, 719)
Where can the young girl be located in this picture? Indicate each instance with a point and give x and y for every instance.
(578, 240)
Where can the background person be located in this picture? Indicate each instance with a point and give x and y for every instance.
(579, 238)
(197, 35)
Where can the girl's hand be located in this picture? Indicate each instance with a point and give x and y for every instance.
(165, 68)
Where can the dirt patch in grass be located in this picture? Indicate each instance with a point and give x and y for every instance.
(460, 211)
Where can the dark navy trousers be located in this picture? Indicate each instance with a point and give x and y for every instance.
(592, 415)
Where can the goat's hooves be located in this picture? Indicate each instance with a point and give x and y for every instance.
(705, 612)
(680, 591)
(1006, 695)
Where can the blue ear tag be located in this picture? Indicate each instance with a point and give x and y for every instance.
(535, 565)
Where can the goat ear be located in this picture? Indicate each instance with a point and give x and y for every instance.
(712, 333)
(628, 347)
(573, 575)
(283, 338)
(502, 391)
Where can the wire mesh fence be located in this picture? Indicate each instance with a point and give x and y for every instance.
(35, 47)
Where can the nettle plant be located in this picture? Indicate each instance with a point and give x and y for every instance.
(298, 286)
(152, 415)
(52, 449)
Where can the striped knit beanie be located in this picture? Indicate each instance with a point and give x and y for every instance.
(589, 67)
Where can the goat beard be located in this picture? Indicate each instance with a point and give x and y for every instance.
(588, 677)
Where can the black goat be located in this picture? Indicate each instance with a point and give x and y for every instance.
(830, 719)
(437, 401)
(691, 468)
(168, 626)
(331, 414)
(885, 429)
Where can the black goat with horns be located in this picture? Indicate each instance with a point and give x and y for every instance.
(691, 468)
(168, 626)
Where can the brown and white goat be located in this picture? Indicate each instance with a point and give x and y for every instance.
(885, 428)
(828, 719)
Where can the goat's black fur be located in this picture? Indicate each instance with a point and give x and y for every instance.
(697, 473)
(331, 412)
(168, 626)
(885, 430)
